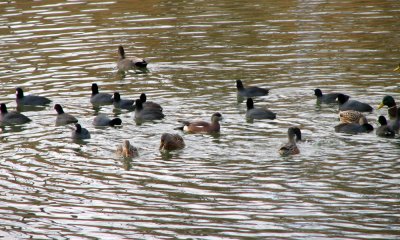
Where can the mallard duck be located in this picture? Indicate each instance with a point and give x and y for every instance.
(391, 104)
(290, 148)
(10, 118)
(346, 104)
(100, 98)
(102, 120)
(351, 116)
(79, 132)
(203, 126)
(397, 69)
(354, 128)
(123, 103)
(258, 113)
(297, 132)
(170, 142)
(325, 98)
(30, 99)
(143, 114)
(125, 64)
(147, 104)
(384, 130)
(395, 123)
(126, 150)
(250, 91)
(62, 117)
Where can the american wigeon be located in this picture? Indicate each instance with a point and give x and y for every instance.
(62, 117)
(203, 126)
(250, 91)
(126, 150)
(13, 117)
(290, 148)
(170, 142)
(346, 104)
(125, 64)
(21, 99)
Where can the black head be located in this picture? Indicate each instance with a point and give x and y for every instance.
(20, 92)
(3, 108)
(95, 89)
(138, 104)
(250, 103)
(117, 97)
(291, 132)
(297, 131)
(216, 117)
(143, 98)
(382, 120)
(59, 109)
(239, 84)
(78, 128)
(121, 51)
(115, 121)
(342, 98)
(388, 101)
(368, 127)
(318, 92)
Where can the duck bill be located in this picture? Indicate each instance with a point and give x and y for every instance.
(381, 106)
(397, 69)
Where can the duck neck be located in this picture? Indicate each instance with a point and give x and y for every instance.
(3, 109)
(392, 111)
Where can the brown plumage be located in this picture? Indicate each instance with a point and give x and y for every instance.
(351, 116)
(170, 142)
(290, 148)
(125, 64)
(127, 150)
(203, 126)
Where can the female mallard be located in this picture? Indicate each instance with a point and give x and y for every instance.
(79, 132)
(9, 118)
(32, 100)
(126, 150)
(258, 113)
(123, 103)
(100, 98)
(350, 116)
(62, 117)
(250, 91)
(391, 104)
(203, 126)
(125, 64)
(354, 128)
(325, 98)
(346, 104)
(290, 148)
(170, 142)
(384, 130)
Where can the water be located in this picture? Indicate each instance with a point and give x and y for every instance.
(230, 186)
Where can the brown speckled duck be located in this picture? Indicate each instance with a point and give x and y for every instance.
(290, 148)
(170, 142)
(126, 150)
(351, 116)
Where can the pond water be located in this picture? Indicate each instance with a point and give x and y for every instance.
(228, 186)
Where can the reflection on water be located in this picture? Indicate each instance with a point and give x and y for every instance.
(233, 185)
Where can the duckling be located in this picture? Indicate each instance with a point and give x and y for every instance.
(13, 117)
(79, 132)
(203, 126)
(62, 117)
(258, 113)
(350, 116)
(170, 142)
(384, 130)
(126, 150)
(30, 99)
(346, 104)
(100, 98)
(143, 114)
(147, 104)
(325, 98)
(354, 128)
(250, 91)
(102, 120)
(391, 104)
(397, 69)
(123, 103)
(290, 148)
(125, 64)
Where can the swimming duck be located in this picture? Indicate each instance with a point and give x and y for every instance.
(391, 104)
(258, 113)
(354, 128)
(142, 113)
(170, 142)
(290, 148)
(123, 103)
(250, 91)
(125, 64)
(126, 150)
(384, 130)
(147, 104)
(102, 120)
(203, 126)
(30, 99)
(13, 117)
(351, 116)
(325, 98)
(100, 98)
(395, 123)
(397, 69)
(297, 132)
(346, 104)
(62, 117)
(79, 132)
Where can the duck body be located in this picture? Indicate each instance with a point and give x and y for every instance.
(62, 117)
(170, 142)
(80, 133)
(102, 120)
(123, 103)
(203, 126)
(126, 150)
(290, 148)
(346, 104)
(325, 98)
(351, 116)
(144, 114)
(125, 64)
(250, 91)
(395, 123)
(32, 100)
(11, 118)
(258, 113)
(100, 98)
(354, 128)
(384, 130)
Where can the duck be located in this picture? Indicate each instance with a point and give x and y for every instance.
(397, 69)
(143, 114)
(203, 126)
(351, 116)
(354, 128)
(297, 132)
(62, 117)
(123, 103)
(79, 132)
(102, 120)
(325, 98)
(125, 64)
(290, 148)
(147, 104)
(250, 91)
(170, 142)
(395, 123)
(34, 100)
(384, 130)
(346, 104)
(126, 150)
(391, 104)
(11, 118)
(100, 98)
(258, 113)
